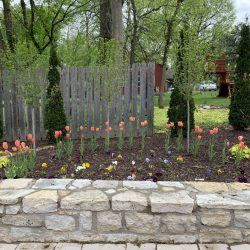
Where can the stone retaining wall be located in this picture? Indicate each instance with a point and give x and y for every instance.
(83, 211)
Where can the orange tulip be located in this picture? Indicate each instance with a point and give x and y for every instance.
(14, 149)
(145, 123)
(60, 132)
(180, 124)
(17, 143)
(122, 123)
(121, 129)
(33, 140)
(29, 136)
(5, 145)
(199, 137)
(198, 130)
(132, 119)
(216, 130)
(57, 134)
(27, 148)
(211, 132)
(67, 128)
(142, 124)
(97, 129)
(241, 145)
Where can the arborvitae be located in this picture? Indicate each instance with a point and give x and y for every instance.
(54, 117)
(239, 114)
(178, 105)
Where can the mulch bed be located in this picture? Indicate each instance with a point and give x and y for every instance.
(191, 169)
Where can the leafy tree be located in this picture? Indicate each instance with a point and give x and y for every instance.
(54, 116)
(239, 115)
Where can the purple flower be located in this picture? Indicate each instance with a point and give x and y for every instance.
(169, 152)
(158, 174)
(155, 179)
(147, 160)
(209, 170)
(242, 179)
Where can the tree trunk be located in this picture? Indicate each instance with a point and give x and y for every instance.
(168, 39)
(2, 44)
(116, 17)
(134, 33)
(223, 92)
(10, 33)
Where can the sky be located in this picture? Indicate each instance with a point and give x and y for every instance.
(242, 9)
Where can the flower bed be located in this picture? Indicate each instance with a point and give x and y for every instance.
(210, 158)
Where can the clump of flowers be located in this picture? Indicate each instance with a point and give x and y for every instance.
(63, 169)
(121, 136)
(144, 125)
(179, 138)
(59, 144)
(169, 127)
(211, 152)
(86, 165)
(4, 161)
(240, 151)
(22, 161)
(93, 142)
(197, 141)
(82, 142)
(69, 143)
(131, 132)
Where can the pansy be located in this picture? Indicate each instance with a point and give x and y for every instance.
(169, 152)
(130, 178)
(219, 171)
(133, 162)
(179, 159)
(80, 168)
(86, 164)
(166, 161)
(114, 163)
(44, 165)
(119, 157)
(110, 168)
(147, 160)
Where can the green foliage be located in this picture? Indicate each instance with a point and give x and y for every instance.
(21, 165)
(178, 110)
(54, 117)
(239, 115)
(245, 152)
(4, 161)
(53, 74)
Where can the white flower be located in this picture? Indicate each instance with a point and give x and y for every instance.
(133, 162)
(114, 163)
(79, 168)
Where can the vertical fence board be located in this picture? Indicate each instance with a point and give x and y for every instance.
(22, 118)
(104, 111)
(96, 93)
(134, 96)
(73, 82)
(66, 92)
(127, 98)
(142, 93)
(7, 112)
(82, 88)
(150, 97)
(14, 106)
(89, 83)
(43, 99)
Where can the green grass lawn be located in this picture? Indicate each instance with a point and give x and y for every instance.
(203, 117)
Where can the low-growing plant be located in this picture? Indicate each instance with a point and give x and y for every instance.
(179, 138)
(224, 155)
(211, 152)
(167, 144)
(93, 142)
(59, 144)
(69, 143)
(144, 125)
(131, 131)
(197, 141)
(121, 137)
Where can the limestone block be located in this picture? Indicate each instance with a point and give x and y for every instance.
(85, 220)
(60, 222)
(109, 221)
(220, 218)
(23, 220)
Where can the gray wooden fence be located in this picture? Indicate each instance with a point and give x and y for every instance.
(89, 95)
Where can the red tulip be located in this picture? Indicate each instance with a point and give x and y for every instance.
(57, 134)
(132, 119)
(67, 136)
(241, 145)
(81, 128)
(92, 129)
(199, 137)
(67, 128)
(82, 136)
